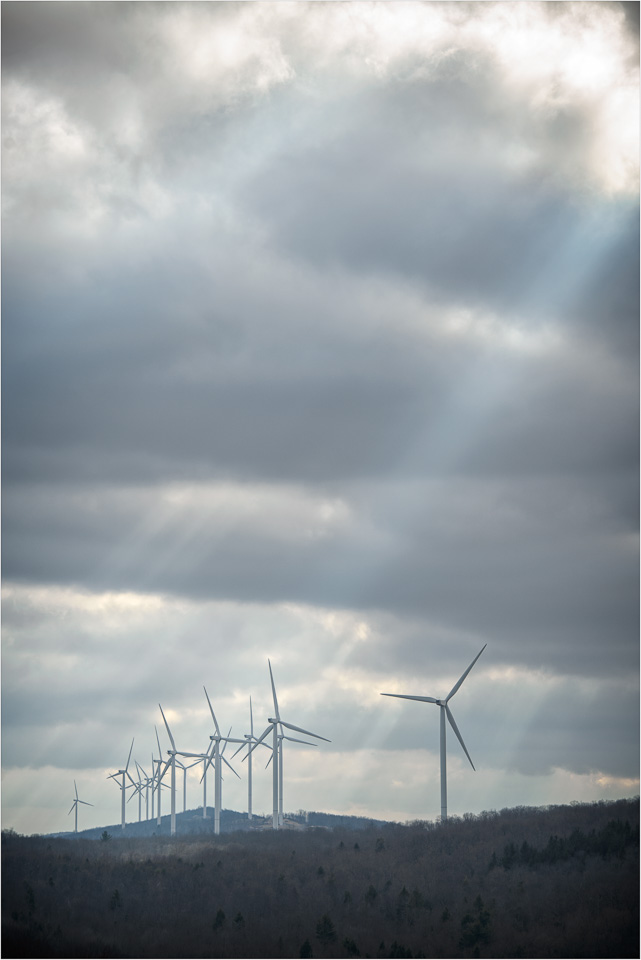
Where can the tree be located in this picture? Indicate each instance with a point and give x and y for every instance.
(325, 931)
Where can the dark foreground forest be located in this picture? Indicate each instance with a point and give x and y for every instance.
(556, 882)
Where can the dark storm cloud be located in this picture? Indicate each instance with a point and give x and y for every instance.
(448, 208)
(259, 383)
(544, 572)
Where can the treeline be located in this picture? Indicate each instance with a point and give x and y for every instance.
(526, 882)
(612, 841)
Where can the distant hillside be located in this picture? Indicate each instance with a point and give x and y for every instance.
(556, 882)
(192, 822)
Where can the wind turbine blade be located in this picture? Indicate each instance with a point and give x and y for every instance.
(85, 803)
(238, 750)
(458, 684)
(173, 745)
(260, 740)
(307, 733)
(271, 757)
(131, 778)
(208, 764)
(129, 757)
(296, 740)
(405, 696)
(456, 731)
(161, 775)
(231, 768)
(225, 742)
(251, 719)
(158, 742)
(72, 806)
(76, 789)
(271, 677)
(212, 712)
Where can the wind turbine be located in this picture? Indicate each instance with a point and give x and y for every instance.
(145, 781)
(445, 711)
(156, 778)
(173, 754)
(218, 759)
(249, 740)
(277, 752)
(205, 760)
(184, 770)
(138, 785)
(172, 762)
(123, 773)
(74, 805)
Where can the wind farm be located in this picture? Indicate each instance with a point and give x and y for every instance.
(212, 758)
(191, 858)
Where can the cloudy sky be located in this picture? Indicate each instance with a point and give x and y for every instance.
(320, 343)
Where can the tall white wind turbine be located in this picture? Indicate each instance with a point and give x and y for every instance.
(206, 759)
(146, 782)
(216, 757)
(279, 735)
(170, 762)
(74, 805)
(157, 784)
(445, 712)
(250, 739)
(124, 773)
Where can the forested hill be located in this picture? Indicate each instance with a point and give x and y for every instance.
(556, 882)
(193, 822)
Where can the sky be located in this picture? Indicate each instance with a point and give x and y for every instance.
(320, 344)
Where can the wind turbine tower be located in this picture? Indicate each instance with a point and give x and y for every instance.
(445, 712)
